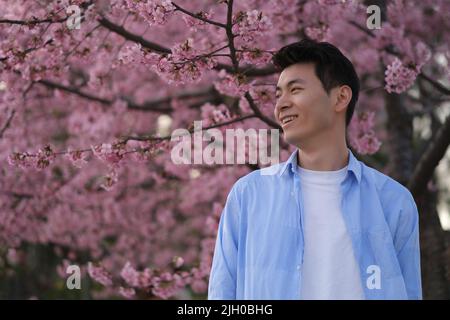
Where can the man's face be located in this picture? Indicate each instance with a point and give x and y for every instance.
(300, 94)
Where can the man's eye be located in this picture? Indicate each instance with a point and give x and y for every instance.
(293, 89)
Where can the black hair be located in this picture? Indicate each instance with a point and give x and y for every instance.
(331, 66)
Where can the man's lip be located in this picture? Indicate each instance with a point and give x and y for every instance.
(288, 123)
(291, 115)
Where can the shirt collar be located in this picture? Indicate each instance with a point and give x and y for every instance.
(353, 164)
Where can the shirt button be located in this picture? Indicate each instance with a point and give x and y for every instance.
(298, 267)
(292, 193)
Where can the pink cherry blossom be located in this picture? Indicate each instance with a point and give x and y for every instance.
(194, 23)
(99, 274)
(20, 159)
(361, 133)
(214, 114)
(77, 157)
(110, 179)
(110, 153)
(232, 85)
(181, 72)
(135, 278)
(399, 77)
(254, 56)
(153, 11)
(249, 25)
(178, 262)
(127, 292)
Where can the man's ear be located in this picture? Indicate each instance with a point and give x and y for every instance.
(343, 97)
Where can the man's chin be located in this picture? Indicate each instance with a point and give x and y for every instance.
(292, 138)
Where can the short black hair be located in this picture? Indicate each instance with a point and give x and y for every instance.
(331, 66)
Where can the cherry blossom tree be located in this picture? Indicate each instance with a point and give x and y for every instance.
(87, 107)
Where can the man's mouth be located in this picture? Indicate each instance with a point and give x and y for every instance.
(287, 119)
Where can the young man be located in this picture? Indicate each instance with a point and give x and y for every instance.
(325, 225)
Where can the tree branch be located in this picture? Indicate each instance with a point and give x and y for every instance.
(196, 16)
(17, 194)
(430, 160)
(235, 67)
(435, 84)
(133, 37)
(392, 51)
(75, 91)
(217, 125)
(230, 35)
(31, 22)
(7, 124)
(148, 44)
(155, 105)
(259, 114)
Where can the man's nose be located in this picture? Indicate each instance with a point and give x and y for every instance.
(281, 105)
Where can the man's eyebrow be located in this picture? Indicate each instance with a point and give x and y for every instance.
(291, 82)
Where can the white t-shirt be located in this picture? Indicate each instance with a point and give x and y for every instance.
(330, 270)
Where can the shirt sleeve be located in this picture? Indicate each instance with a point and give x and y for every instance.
(222, 278)
(408, 247)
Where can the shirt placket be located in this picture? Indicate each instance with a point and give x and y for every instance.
(297, 194)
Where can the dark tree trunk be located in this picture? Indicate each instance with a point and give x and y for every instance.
(433, 239)
(434, 249)
(400, 133)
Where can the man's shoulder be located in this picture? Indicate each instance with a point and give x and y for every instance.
(388, 188)
(259, 178)
(399, 206)
(263, 174)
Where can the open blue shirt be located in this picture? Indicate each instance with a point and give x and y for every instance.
(259, 246)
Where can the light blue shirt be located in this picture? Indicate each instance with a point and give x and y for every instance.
(259, 248)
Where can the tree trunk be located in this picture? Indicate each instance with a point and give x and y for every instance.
(400, 142)
(434, 249)
(434, 246)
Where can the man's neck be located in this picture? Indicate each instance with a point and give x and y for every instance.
(328, 158)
